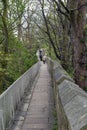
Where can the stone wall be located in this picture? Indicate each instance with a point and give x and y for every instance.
(71, 100)
(10, 99)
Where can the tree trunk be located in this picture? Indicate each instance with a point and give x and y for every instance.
(19, 31)
(5, 28)
(6, 36)
(65, 45)
(78, 22)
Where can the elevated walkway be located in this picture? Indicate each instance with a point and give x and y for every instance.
(35, 92)
(37, 108)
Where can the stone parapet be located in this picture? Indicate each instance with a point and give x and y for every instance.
(71, 100)
(10, 99)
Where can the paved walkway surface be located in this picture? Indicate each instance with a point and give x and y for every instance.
(37, 113)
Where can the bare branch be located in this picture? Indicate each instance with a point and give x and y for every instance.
(60, 10)
(62, 3)
(48, 31)
(81, 6)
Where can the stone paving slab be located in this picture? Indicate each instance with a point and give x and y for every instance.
(36, 120)
(35, 129)
(36, 126)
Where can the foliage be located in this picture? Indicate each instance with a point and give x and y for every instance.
(15, 63)
(18, 45)
(85, 88)
(4, 74)
(70, 70)
(55, 125)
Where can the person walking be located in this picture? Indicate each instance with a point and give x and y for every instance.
(40, 55)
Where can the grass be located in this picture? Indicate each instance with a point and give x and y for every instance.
(55, 125)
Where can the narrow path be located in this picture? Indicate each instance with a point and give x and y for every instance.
(39, 115)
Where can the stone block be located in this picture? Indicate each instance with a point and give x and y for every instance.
(73, 104)
(56, 64)
(60, 75)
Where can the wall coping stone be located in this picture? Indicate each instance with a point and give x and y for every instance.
(74, 102)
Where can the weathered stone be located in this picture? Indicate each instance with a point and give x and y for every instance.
(36, 126)
(18, 123)
(60, 75)
(56, 64)
(11, 98)
(25, 107)
(69, 90)
(72, 102)
(40, 113)
(16, 128)
(19, 118)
